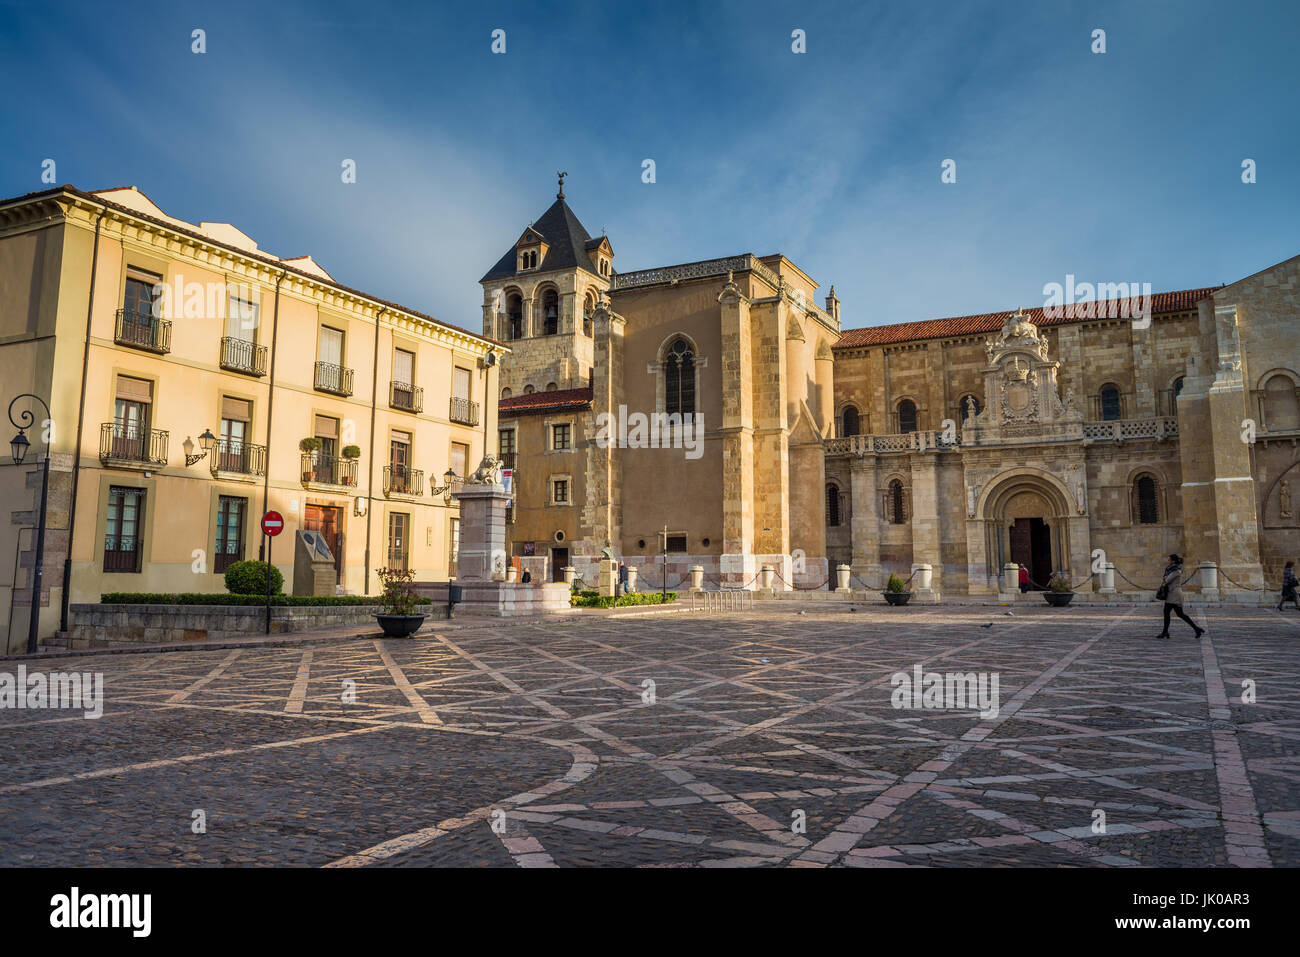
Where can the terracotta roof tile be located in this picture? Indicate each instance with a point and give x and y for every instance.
(545, 401)
(1161, 302)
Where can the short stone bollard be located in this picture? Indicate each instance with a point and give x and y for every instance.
(697, 577)
(842, 573)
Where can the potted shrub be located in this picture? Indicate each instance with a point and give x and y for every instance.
(352, 451)
(1058, 592)
(311, 447)
(896, 592)
(397, 615)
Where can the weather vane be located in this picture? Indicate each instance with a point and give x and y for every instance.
(560, 194)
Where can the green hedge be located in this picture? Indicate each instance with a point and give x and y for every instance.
(596, 600)
(217, 598)
(249, 578)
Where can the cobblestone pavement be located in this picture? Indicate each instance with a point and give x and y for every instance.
(770, 738)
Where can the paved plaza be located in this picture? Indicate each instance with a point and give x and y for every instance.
(760, 738)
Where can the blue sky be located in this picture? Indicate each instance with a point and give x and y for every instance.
(1122, 166)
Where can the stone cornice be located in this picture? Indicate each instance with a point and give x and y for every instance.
(178, 242)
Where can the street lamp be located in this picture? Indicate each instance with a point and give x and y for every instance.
(207, 441)
(19, 445)
(444, 490)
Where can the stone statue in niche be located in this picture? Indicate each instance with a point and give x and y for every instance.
(1284, 494)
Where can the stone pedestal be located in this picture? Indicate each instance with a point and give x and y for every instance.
(842, 573)
(481, 563)
(608, 577)
(631, 578)
(1011, 578)
(923, 582)
(1210, 581)
(1107, 579)
(482, 533)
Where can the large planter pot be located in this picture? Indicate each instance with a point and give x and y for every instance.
(897, 597)
(400, 626)
(1058, 599)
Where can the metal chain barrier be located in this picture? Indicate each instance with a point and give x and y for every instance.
(870, 587)
(1241, 586)
(801, 587)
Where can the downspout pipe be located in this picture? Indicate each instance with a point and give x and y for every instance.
(370, 458)
(81, 421)
(270, 405)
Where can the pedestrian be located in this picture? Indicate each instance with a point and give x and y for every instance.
(622, 579)
(1289, 583)
(1171, 593)
(1024, 579)
(527, 577)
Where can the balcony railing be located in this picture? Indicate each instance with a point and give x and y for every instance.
(334, 379)
(143, 331)
(239, 458)
(126, 443)
(318, 469)
(397, 559)
(400, 480)
(508, 459)
(404, 396)
(240, 355)
(1120, 429)
(464, 411)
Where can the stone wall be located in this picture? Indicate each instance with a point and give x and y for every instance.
(108, 626)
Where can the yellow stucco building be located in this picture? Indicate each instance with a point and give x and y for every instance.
(184, 368)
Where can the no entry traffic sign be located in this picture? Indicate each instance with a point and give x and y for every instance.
(273, 523)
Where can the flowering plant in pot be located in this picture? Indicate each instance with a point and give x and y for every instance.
(1058, 592)
(896, 592)
(397, 615)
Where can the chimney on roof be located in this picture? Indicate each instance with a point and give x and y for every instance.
(833, 305)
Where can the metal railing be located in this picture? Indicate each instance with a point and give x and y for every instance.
(318, 469)
(124, 442)
(333, 378)
(239, 458)
(241, 355)
(726, 599)
(143, 331)
(508, 459)
(400, 480)
(464, 411)
(397, 559)
(404, 396)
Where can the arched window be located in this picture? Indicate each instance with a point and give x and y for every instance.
(1281, 409)
(832, 505)
(1146, 510)
(528, 390)
(551, 387)
(1175, 392)
(506, 393)
(897, 506)
(851, 423)
(970, 405)
(550, 313)
(679, 378)
(588, 310)
(1110, 408)
(907, 416)
(514, 316)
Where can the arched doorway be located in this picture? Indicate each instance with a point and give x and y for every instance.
(1026, 523)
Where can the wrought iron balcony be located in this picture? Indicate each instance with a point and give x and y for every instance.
(404, 396)
(333, 379)
(319, 469)
(240, 355)
(239, 458)
(464, 411)
(397, 559)
(143, 331)
(400, 480)
(125, 443)
(508, 459)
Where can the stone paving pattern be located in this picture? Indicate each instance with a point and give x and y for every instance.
(541, 726)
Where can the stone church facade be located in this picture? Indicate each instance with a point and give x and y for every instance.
(1056, 441)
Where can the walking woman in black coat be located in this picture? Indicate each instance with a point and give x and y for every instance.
(1172, 589)
(1289, 586)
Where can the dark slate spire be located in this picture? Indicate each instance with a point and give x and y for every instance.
(566, 237)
